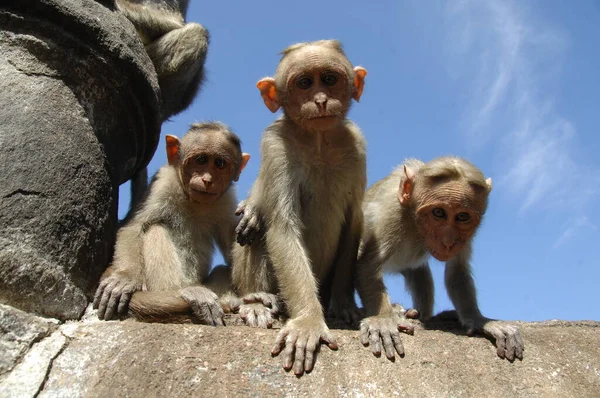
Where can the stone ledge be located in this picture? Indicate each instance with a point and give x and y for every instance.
(128, 358)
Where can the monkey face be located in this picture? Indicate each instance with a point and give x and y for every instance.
(446, 227)
(318, 99)
(206, 177)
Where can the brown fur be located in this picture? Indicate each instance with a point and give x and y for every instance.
(309, 191)
(424, 209)
(163, 254)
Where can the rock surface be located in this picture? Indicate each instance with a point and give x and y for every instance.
(127, 358)
(79, 115)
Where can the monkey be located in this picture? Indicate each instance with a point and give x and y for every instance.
(178, 52)
(424, 210)
(309, 190)
(162, 255)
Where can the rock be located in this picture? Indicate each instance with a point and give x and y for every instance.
(18, 332)
(79, 115)
(127, 358)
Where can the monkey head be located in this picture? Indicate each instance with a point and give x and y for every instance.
(448, 197)
(314, 83)
(208, 159)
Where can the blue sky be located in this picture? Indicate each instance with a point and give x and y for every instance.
(512, 86)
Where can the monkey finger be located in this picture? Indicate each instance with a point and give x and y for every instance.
(520, 347)
(124, 303)
(329, 340)
(500, 345)
(240, 208)
(300, 350)
(364, 334)
(311, 348)
(98, 295)
(406, 328)
(217, 313)
(111, 307)
(388, 345)
(279, 342)
(289, 351)
(375, 341)
(106, 294)
(398, 344)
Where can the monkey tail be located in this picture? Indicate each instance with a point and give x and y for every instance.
(161, 307)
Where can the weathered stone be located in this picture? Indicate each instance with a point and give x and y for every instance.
(18, 332)
(79, 115)
(127, 358)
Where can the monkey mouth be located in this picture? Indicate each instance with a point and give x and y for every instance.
(322, 117)
(203, 192)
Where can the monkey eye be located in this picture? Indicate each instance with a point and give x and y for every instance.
(463, 217)
(202, 159)
(438, 212)
(329, 78)
(220, 163)
(304, 82)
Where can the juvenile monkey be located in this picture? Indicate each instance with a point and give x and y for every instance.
(422, 210)
(163, 254)
(309, 191)
(177, 50)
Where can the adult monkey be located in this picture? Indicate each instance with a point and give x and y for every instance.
(166, 249)
(309, 190)
(177, 50)
(422, 210)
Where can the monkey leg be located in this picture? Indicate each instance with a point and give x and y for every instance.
(163, 269)
(178, 57)
(419, 282)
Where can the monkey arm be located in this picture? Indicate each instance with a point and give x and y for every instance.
(123, 277)
(342, 302)
(369, 278)
(461, 289)
(382, 325)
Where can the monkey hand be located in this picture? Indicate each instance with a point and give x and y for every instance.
(257, 314)
(301, 338)
(204, 304)
(509, 343)
(345, 309)
(385, 329)
(113, 296)
(249, 226)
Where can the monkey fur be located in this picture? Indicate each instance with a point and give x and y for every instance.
(163, 253)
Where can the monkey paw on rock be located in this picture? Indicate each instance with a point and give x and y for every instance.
(300, 340)
(113, 296)
(384, 329)
(204, 304)
(259, 309)
(509, 344)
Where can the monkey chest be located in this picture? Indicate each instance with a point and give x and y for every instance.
(406, 257)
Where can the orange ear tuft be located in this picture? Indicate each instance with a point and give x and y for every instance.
(359, 82)
(268, 93)
(173, 145)
(406, 186)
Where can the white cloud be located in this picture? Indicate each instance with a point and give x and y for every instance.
(510, 62)
(573, 227)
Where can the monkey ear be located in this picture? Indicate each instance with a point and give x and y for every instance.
(245, 159)
(406, 186)
(359, 82)
(173, 146)
(269, 93)
(489, 184)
